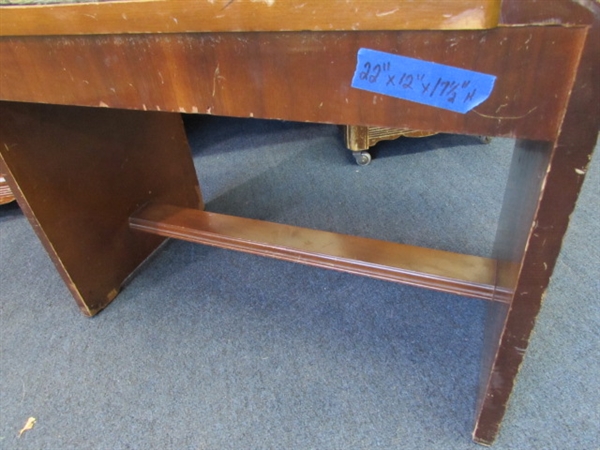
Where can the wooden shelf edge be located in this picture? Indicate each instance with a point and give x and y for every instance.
(465, 275)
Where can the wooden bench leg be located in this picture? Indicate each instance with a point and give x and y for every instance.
(79, 173)
(544, 182)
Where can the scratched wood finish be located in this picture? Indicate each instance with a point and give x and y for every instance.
(466, 275)
(544, 182)
(80, 172)
(302, 76)
(184, 16)
(265, 75)
(545, 13)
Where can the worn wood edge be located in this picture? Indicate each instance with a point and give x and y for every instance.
(186, 16)
(96, 258)
(516, 13)
(510, 273)
(37, 228)
(564, 162)
(281, 242)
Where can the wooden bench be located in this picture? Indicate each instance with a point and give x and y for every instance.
(91, 134)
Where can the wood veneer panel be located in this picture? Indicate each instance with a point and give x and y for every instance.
(78, 173)
(527, 176)
(466, 275)
(303, 76)
(177, 16)
(544, 182)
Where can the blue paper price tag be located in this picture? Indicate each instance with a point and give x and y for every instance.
(421, 81)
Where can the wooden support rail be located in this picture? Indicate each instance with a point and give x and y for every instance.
(467, 275)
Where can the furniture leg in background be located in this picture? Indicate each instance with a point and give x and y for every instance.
(6, 195)
(359, 139)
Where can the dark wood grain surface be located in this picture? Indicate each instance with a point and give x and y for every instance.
(302, 76)
(81, 171)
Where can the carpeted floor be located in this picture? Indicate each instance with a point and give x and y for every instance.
(212, 349)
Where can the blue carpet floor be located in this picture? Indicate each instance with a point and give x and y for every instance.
(215, 350)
